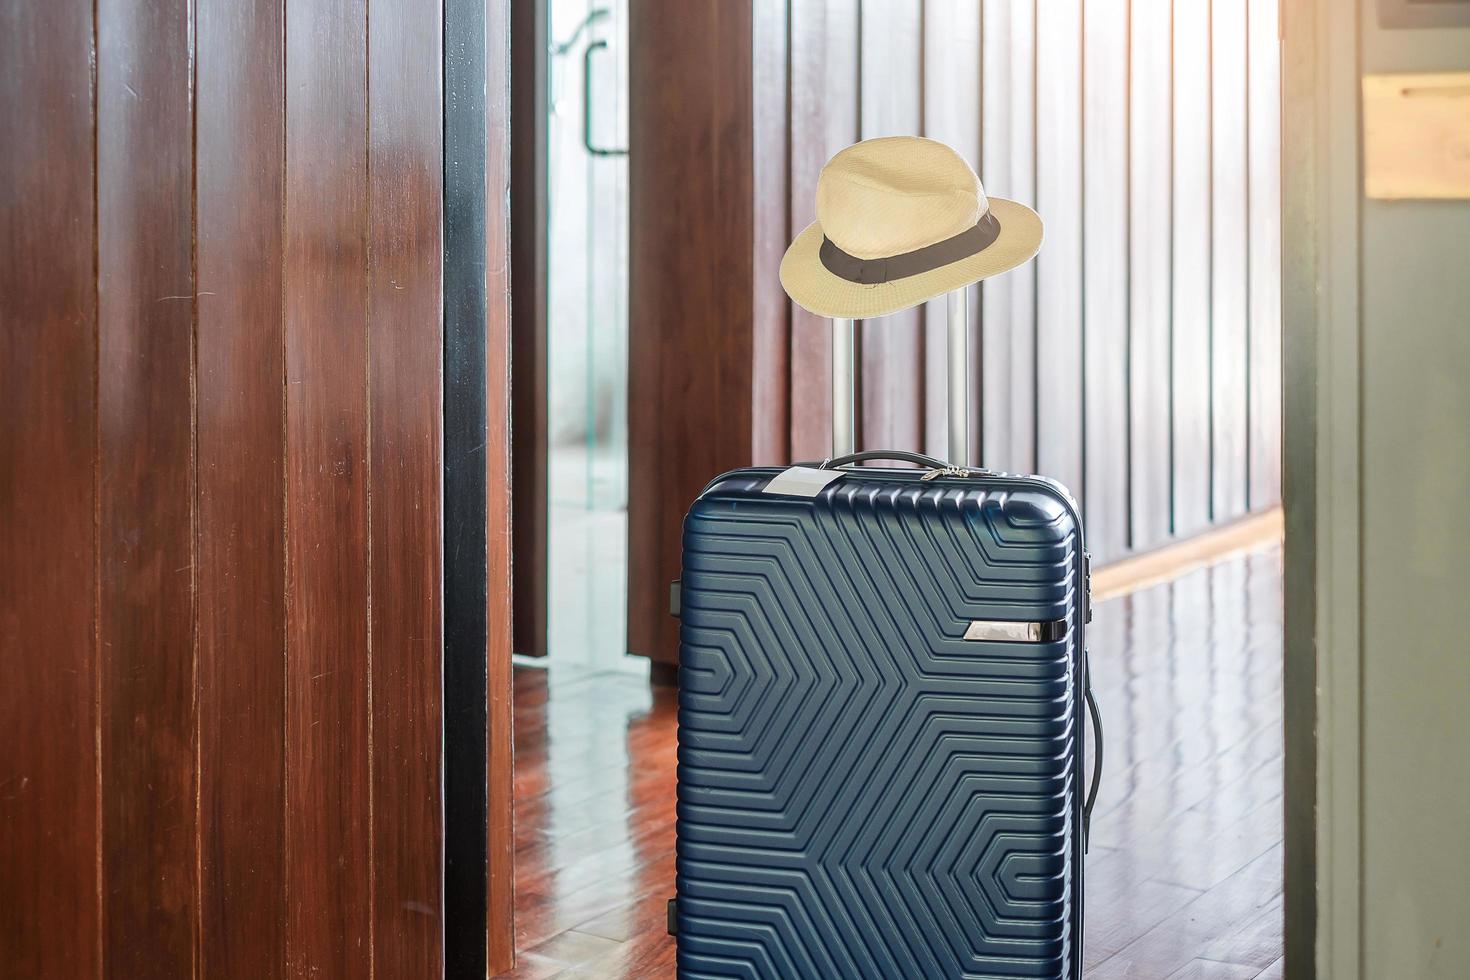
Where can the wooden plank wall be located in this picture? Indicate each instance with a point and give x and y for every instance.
(1105, 274)
(221, 534)
(1137, 359)
(1150, 261)
(240, 348)
(50, 903)
(499, 870)
(145, 474)
(822, 108)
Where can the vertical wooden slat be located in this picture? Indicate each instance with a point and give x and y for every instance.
(690, 284)
(1105, 282)
(1150, 222)
(49, 913)
(529, 203)
(892, 348)
(951, 115)
(1059, 439)
(1191, 271)
(1264, 221)
(1229, 267)
(500, 848)
(770, 220)
(240, 567)
(404, 345)
(328, 826)
(824, 119)
(1008, 367)
(145, 146)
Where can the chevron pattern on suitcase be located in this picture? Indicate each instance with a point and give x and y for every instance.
(862, 792)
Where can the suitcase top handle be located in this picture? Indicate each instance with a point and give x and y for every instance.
(936, 467)
(896, 455)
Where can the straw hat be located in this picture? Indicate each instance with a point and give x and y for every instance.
(901, 220)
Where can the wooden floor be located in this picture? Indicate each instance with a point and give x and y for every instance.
(1184, 875)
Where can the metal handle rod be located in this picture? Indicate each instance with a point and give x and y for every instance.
(597, 151)
(844, 382)
(844, 415)
(959, 382)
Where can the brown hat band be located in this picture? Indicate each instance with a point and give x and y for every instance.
(871, 272)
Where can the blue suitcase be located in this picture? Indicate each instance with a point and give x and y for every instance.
(881, 685)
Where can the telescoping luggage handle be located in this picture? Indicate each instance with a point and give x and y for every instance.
(844, 378)
(844, 425)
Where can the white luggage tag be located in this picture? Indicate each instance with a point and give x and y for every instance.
(801, 481)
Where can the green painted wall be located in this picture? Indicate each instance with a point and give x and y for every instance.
(1415, 402)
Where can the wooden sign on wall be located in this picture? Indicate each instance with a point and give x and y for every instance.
(1416, 136)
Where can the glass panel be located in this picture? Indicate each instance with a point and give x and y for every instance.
(587, 331)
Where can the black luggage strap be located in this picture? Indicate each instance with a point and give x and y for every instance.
(1097, 751)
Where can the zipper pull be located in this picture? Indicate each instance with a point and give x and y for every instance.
(956, 471)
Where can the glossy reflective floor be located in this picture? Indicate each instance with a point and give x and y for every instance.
(1184, 875)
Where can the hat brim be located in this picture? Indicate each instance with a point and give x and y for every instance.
(813, 287)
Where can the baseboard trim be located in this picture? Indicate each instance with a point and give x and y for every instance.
(1250, 533)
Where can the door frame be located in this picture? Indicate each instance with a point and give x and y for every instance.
(1322, 488)
(479, 843)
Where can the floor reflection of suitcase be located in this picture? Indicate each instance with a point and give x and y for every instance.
(882, 678)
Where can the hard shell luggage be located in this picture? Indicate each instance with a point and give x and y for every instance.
(881, 698)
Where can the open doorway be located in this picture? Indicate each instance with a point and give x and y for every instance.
(587, 334)
(1138, 361)
(573, 435)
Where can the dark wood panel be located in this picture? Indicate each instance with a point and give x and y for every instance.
(528, 203)
(405, 350)
(891, 349)
(474, 448)
(1190, 283)
(824, 119)
(1105, 280)
(1150, 234)
(240, 566)
(1059, 440)
(951, 115)
(500, 834)
(145, 155)
(770, 224)
(146, 813)
(1264, 221)
(329, 814)
(690, 335)
(49, 876)
(1185, 861)
(1229, 262)
(1008, 367)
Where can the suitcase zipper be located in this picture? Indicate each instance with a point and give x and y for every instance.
(955, 471)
